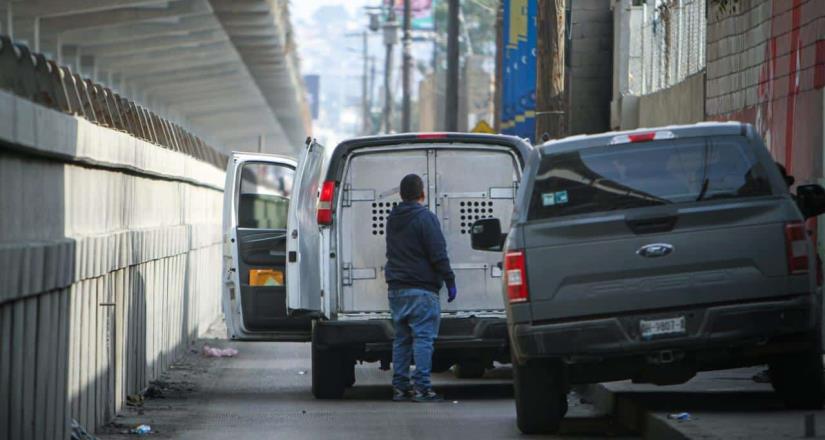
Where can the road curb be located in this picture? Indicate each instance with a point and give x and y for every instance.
(630, 411)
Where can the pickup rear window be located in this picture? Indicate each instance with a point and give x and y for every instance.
(626, 176)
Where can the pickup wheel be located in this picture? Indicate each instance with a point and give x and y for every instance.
(541, 397)
(329, 373)
(469, 370)
(799, 381)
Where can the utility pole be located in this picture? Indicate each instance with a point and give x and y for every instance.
(365, 122)
(407, 60)
(390, 38)
(551, 96)
(452, 65)
(499, 66)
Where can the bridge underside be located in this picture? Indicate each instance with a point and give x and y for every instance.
(225, 69)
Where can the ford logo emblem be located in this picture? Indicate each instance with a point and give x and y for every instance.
(655, 250)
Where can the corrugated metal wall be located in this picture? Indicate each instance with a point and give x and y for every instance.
(110, 261)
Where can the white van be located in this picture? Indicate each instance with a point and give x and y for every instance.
(336, 249)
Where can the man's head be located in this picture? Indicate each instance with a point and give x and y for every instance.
(412, 188)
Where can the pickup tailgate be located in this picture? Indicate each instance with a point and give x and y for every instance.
(714, 254)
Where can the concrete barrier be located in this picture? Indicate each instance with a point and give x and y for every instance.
(683, 103)
(110, 260)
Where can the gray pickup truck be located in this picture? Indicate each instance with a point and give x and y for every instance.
(652, 255)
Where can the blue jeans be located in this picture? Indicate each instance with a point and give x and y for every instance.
(415, 316)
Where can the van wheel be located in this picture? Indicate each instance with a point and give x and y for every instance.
(328, 373)
(469, 370)
(799, 381)
(541, 398)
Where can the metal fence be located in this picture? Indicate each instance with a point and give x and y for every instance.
(672, 42)
(31, 76)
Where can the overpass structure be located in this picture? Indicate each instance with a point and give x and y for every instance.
(116, 117)
(225, 69)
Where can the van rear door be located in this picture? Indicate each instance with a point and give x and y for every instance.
(264, 230)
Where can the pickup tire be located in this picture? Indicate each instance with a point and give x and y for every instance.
(540, 394)
(799, 381)
(329, 373)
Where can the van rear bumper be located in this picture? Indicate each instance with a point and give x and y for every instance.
(752, 324)
(378, 334)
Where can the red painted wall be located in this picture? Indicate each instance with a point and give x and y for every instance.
(788, 111)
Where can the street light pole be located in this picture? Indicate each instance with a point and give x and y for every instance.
(390, 38)
(452, 66)
(407, 60)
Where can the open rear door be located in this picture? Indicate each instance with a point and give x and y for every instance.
(303, 241)
(259, 192)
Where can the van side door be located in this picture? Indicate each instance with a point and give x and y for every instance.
(258, 193)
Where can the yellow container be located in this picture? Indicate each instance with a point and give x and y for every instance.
(266, 277)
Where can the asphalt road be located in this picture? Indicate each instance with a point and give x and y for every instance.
(264, 393)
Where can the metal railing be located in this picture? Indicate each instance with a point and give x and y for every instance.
(672, 40)
(31, 76)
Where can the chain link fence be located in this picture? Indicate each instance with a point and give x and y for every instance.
(671, 42)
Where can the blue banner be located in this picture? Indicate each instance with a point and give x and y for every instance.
(518, 83)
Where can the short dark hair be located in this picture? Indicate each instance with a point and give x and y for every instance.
(412, 188)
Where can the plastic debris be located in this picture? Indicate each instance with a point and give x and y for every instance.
(683, 416)
(455, 402)
(302, 372)
(78, 433)
(142, 430)
(219, 352)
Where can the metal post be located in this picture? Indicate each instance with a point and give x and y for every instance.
(36, 34)
(407, 62)
(452, 66)
(10, 19)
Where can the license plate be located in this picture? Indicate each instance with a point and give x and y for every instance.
(662, 327)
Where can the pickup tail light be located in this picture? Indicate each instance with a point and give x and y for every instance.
(515, 273)
(796, 245)
(325, 204)
(642, 137)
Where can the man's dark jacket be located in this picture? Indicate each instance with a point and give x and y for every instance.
(416, 250)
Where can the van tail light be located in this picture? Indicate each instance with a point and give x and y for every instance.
(515, 271)
(796, 245)
(325, 203)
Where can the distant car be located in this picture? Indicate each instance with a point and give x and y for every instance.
(653, 255)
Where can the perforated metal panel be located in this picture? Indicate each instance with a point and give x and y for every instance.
(472, 185)
(370, 192)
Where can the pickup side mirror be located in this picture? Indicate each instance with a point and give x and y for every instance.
(811, 200)
(486, 235)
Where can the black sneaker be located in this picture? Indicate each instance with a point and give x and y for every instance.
(427, 396)
(399, 395)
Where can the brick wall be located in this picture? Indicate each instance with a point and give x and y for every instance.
(766, 66)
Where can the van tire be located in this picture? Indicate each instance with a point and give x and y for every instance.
(469, 370)
(799, 380)
(329, 378)
(540, 394)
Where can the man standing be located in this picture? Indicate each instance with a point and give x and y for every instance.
(417, 267)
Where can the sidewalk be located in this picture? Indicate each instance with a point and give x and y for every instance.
(722, 405)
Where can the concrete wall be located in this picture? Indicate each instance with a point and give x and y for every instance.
(683, 103)
(766, 66)
(109, 266)
(590, 66)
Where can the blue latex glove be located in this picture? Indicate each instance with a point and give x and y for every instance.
(451, 293)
